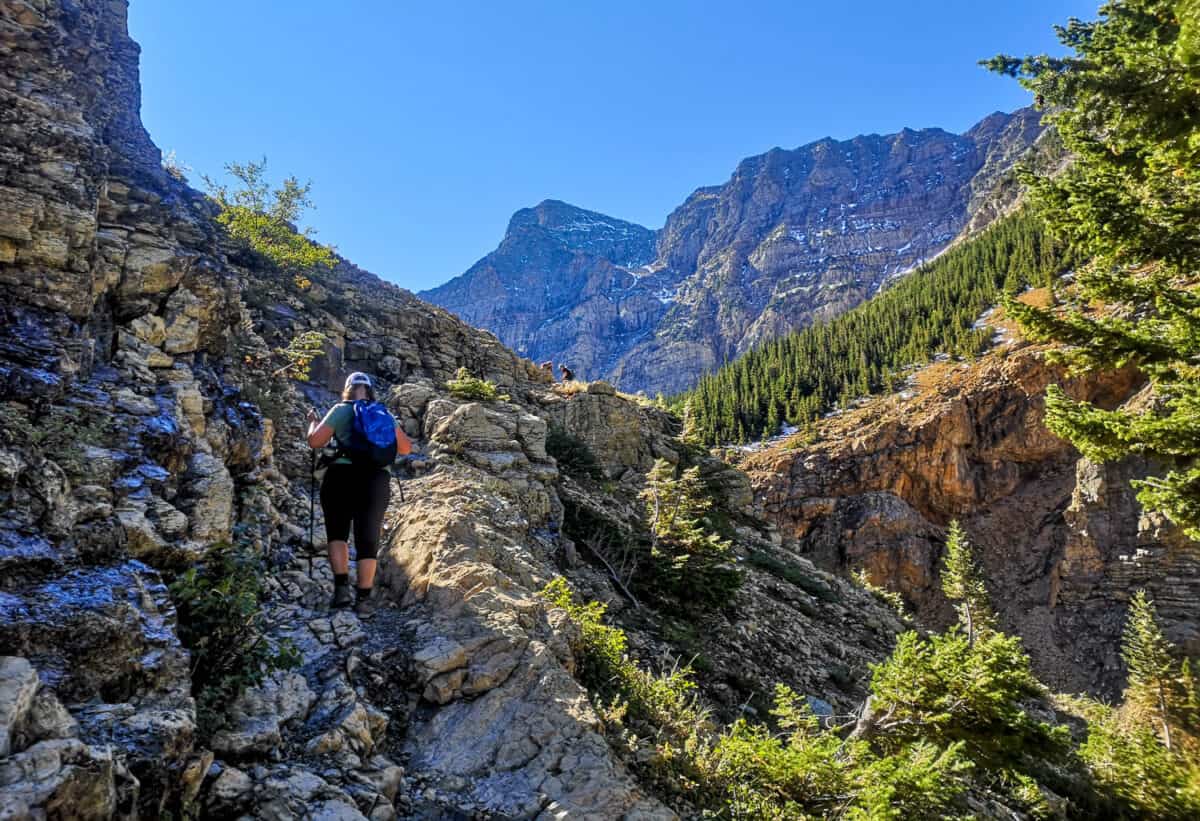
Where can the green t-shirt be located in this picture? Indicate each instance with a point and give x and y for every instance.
(341, 419)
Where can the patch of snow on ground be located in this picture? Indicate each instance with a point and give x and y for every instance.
(982, 322)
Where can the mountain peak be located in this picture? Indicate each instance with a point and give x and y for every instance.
(566, 220)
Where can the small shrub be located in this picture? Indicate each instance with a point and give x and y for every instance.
(888, 597)
(946, 689)
(264, 219)
(1131, 763)
(468, 387)
(221, 621)
(662, 710)
(60, 433)
(749, 771)
(16, 429)
(266, 374)
(573, 455)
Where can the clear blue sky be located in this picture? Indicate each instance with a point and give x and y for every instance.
(424, 126)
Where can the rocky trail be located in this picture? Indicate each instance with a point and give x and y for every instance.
(143, 427)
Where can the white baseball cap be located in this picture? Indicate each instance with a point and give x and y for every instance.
(357, 378)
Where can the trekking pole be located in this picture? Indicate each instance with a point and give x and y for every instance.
(312, 499)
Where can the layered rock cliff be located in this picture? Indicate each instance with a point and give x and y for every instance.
(136, 433)
(1063, 542)
(792, 237)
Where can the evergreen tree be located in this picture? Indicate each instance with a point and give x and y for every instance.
(796, 378)
(688, 558)
(962, 583)
(1153, 674)
(1126, 106)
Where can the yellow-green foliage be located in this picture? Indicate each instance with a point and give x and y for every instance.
(299, 353)
(667, 701)
(889, 597)
(265, 218)
(749, 771)
(464, 385)
(1132, 763)
(946, 716)
(803, 771)
(945, 689)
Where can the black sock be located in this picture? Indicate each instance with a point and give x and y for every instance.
(363, 592)
(341, 579)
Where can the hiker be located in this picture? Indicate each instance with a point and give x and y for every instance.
(357, 484)
(567, 373)
(548, 367)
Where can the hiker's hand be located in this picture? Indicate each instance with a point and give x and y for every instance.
(312, 416)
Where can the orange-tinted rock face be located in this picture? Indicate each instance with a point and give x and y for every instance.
(1063, 542)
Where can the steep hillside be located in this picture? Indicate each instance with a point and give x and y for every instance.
(140, 432)
(793, 236)
(935, 311)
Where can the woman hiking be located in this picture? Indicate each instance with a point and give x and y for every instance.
(357, 484)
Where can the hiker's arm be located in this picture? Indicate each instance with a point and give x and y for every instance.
(403, 443)
(319, 432)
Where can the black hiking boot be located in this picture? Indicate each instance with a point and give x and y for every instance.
(366, 606)
(342, 597)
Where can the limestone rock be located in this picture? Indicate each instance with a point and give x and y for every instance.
(18, 688)
(1061, 541)
(258, 716)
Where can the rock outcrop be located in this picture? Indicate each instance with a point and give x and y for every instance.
(792, 237)
(138, 429)
(1063, 542)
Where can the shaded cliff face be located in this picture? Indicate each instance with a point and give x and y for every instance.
(1062, 541)
(792, 237)
(132, 441)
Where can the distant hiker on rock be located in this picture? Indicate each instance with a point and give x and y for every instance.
(567, 373)
(357, 484)
(548, 367)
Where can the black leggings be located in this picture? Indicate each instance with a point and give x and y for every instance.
(358, 495)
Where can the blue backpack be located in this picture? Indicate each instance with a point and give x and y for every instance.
(372, 436)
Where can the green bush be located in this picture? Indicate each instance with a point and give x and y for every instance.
(466, 386)
(748, 771)
(221, 621)
(266, 374)
(640, 710)
(573, 455)
(1134, 766)
(264, 219)
(60, 433)
(946, 689)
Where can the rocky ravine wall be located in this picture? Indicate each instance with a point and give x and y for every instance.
(1063, 541)
(128, 447)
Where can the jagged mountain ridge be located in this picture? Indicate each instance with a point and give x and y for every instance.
(793, 236)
